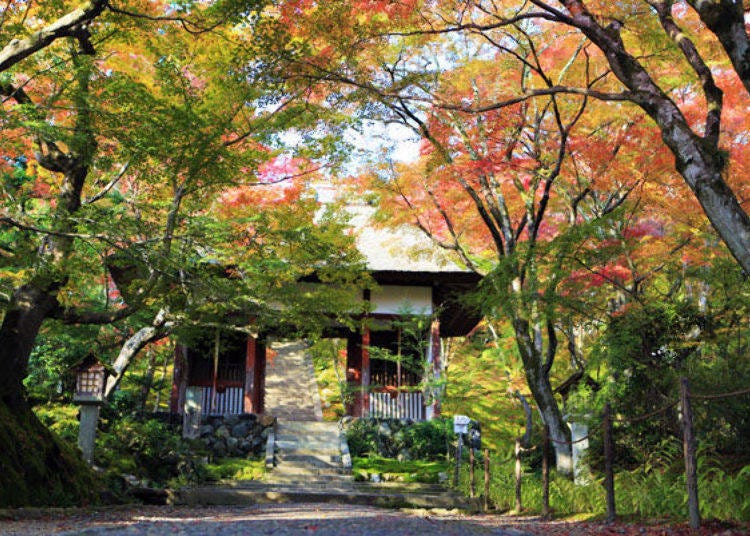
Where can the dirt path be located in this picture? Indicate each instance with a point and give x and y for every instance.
(315, 519)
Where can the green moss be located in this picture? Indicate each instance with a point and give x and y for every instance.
(236, 469)
(401, 471)
(37, 468)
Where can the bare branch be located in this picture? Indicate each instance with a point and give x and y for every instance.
(111, 184)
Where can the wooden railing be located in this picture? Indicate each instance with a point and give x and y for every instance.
(230, 402)
(405, 405)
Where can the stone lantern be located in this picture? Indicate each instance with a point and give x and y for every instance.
(89, 395)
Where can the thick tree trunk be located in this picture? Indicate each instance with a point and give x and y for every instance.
(537, 377)
(701, 166)
(698, 158)
(38, 469)
(30, 305)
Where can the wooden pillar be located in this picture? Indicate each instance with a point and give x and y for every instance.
(215, 374)
(486, 479)
(179, 379)
(546, 447)
(248, 402)
(259, 395)
(365, 351)
(354, 375)
(517, 474)
(435, 355)
(609, 459)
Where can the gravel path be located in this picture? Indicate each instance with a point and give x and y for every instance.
(277, 519)
(323, 520)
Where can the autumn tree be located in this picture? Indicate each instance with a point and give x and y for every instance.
(122, 126)
(682, 63)
(515, 174)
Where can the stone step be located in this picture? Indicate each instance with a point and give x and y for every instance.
(290, 478)
(319, 462)
(327, 435)
(284, 429)
(308, 442)
(291, 390)
(302, 451)
(288, 444)
(305, 434)
(299, 470)
(333, 486)
(312, 425)
(222, 495)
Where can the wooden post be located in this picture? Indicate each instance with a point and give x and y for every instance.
(472, 486)
(486, 479)
(365, 370)
(691, 468)
(609, 475)
(261, 353)
(459, 453)
(519, 504)
(179, 379)
(435, 351)
(248, 405)
(215, 377)
(545, 473)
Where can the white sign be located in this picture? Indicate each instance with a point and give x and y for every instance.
(461, 424)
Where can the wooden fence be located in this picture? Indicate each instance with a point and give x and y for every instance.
(228, 402)
(689, 453)
(405, 405)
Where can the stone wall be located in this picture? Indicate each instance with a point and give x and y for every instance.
(235, 435)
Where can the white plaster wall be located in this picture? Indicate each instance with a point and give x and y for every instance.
(395, 299)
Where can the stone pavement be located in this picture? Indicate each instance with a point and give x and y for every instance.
(279, 519)
(291, 390)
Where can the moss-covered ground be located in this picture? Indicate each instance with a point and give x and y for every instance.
(37, 468)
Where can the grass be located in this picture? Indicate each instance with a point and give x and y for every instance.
(390, 469)
(236, 469)
(657, 494)
(478, 383)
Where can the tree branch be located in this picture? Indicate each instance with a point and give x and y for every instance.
(69, 25)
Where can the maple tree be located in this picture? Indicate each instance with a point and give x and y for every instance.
(682, 63)
(530, 151)
(125, 126)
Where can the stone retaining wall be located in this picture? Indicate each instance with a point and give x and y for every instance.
(236, 435)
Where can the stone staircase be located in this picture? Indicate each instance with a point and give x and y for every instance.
(309, 460)
(304, 448)
(291, 391)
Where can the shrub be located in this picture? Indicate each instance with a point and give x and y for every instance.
(361, 434)
(149, 450)
(391, 438)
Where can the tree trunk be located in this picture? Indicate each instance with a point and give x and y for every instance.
(701, 166)
(697, 157)
(38, 469)
(148, 381)
(537, 377)
(30, 305)
(159, 329)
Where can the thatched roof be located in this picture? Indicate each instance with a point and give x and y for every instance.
(403, 249)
